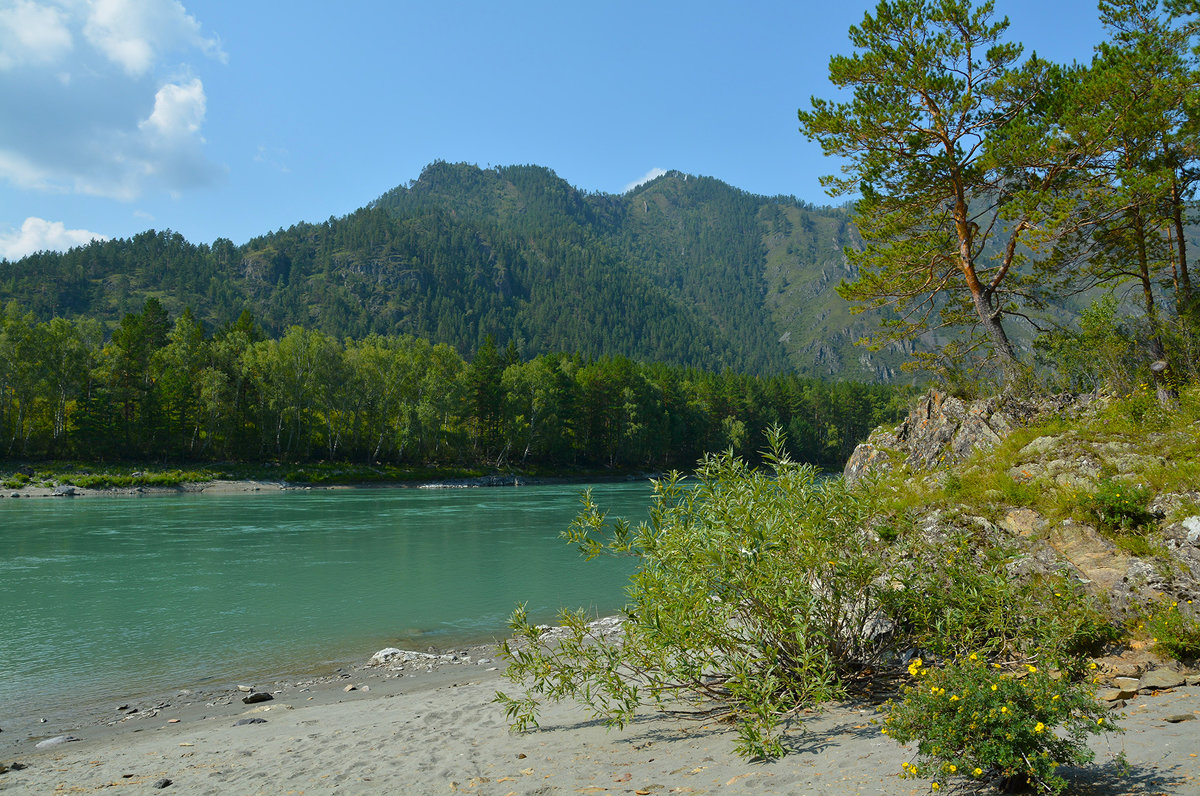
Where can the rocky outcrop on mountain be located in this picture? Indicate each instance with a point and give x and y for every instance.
(1130, 567)
(943, 430)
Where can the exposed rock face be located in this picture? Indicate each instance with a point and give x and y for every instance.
(944, 430)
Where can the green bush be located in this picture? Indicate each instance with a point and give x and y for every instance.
(1119, 506)
(1174, 630)
(957, 597)
(756, 596)
(972, 719)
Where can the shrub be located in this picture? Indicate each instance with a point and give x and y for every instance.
(978, 721)
(1118, 506)
(755, 597)
(1174, 632)
(958, 597)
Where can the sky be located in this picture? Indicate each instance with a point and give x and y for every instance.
(218, 119)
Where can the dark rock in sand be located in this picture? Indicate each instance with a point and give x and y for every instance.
(243, 722)
(1161, 679)
(162, 783)
(261, 696)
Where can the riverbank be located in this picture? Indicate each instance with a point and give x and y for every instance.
(427, 725)
(222, 486)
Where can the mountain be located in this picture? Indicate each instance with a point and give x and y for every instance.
(683, 269)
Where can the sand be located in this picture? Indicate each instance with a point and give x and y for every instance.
(420, 732)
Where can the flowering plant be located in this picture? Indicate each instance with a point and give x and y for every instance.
(987, 721)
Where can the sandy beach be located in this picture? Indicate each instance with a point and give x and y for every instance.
(429, 727)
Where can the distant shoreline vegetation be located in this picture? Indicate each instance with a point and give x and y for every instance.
(153, 390)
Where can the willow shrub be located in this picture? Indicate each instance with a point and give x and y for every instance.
(756, 596)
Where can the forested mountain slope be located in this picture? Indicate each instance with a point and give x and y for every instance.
(682, 270)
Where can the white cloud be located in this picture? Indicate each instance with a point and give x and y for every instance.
(37, 234)
(178, 111)
(31, 33)
(654, 173)
(131, 33)
(116, 119)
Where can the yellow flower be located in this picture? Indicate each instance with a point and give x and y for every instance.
(914, 668)
(1054, 698)
(1040, 727)
(974, 657)
(1004, 709)
(994, 686)
(977, 771)
(1100, 721)
(1092, 665)
(954, 698)
(935, 786)
(1031, 668)
(953, 768)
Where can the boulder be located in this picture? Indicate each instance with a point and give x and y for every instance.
(1160, 680)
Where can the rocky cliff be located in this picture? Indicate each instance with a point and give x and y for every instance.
(1034, 476)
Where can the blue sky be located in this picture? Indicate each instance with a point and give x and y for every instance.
(220, 119)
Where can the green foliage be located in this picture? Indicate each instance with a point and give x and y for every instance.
(975, 720)
(1102, 354)
(1118, 506)
(945, 137)
(171, 392)
(754, 599)
(1174, 630)
(958, 597)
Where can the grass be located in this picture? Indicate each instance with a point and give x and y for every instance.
(1166, 443)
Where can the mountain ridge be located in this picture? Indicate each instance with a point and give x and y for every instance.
(681, 269)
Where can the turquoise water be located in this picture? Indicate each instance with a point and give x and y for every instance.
(106, 598)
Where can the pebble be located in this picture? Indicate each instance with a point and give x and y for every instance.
(246, 689)
(57, 740)
(259, 697)
(162, 783)
(243, 722)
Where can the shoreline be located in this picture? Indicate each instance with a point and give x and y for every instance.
(255, 486)
(429, 727)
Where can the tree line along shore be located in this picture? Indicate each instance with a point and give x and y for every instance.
(153, 389)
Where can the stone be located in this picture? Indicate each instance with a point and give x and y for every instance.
(260, 696)
(63, 490)
(245, 688)
(57, 740)
(1126, 683)
(1178, 717)
(350, 688)
(942, 430)
(161, 783)
(1161, 679)
(386, 655)
(244, 722)
(1114, 695)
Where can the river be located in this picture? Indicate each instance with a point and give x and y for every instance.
(109, 598)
